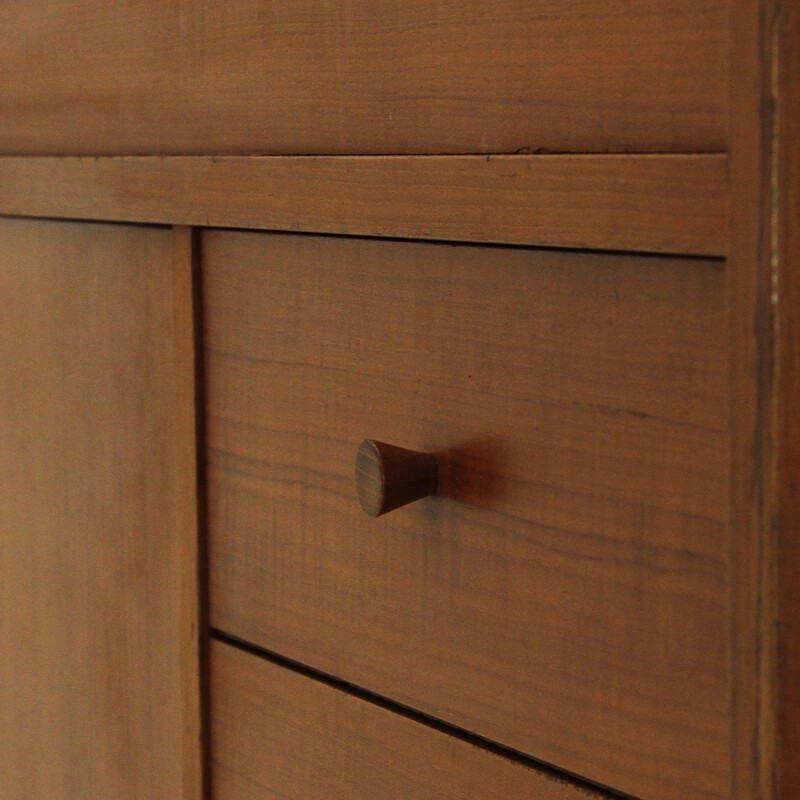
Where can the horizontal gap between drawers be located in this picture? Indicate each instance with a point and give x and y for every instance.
(463, 244)
(404, 239)
(415, 716)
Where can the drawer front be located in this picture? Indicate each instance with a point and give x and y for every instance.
(566, 594)
(362, 77)
(277, 734)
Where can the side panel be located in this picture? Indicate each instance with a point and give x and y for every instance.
(98, 589)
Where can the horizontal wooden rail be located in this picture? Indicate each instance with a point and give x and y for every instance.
(647, 203)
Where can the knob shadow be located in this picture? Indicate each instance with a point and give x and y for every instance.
(471, 472)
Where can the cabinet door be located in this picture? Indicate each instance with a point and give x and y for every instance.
(98, 661)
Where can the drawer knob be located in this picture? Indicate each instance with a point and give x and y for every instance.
(388, 477)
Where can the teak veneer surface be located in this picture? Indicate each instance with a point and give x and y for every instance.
(652, 203)
(362, 77)
(98, 535)
(568, 594)
(277, 734)
(788, 650)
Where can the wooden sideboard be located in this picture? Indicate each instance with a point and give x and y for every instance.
(552, 248)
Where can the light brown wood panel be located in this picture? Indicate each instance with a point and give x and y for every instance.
(568, 594)
(363, 77)
(658, 203)
(277, 734)
(98, 563)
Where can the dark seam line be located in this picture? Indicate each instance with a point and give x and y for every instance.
(79, 220)
(201, 485)
(594, 790)
(102, 219)
(491, 244)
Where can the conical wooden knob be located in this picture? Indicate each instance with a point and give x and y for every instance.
(388, 477)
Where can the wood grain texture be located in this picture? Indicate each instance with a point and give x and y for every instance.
(366, 77)
(672, 203)
(788, 518)
(568, 594)
(97, 615)
(277, 734)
